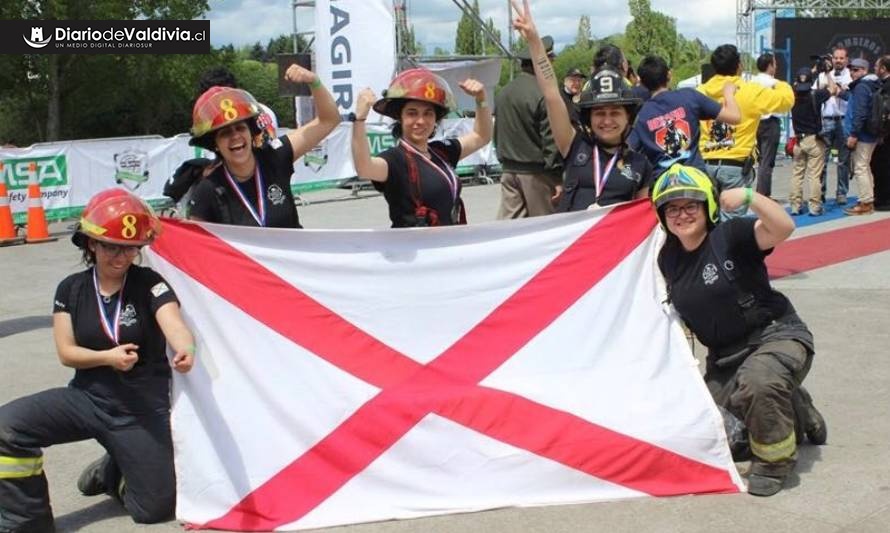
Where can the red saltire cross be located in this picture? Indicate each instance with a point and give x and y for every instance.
(447, 386)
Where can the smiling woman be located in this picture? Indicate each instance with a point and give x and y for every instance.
(417, 176)
(249, 185)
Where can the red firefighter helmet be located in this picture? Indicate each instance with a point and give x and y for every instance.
(217, 108)
(416, 84)
(119, 217)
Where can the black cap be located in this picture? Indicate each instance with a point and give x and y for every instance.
(548, 47)
(803, 82)
(576, 73)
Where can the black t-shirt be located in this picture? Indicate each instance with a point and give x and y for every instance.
(806, 114)
(436, 191)
(630, 173)
(145, 388)
(214, 200)
(702, 295)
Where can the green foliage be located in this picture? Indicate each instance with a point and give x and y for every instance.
(583, 39)
(471, 40)
(650, 32)
(467, 41)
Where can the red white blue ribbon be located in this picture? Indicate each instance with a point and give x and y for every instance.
(444, 170)
(260, 216)
(110, 327)
(599, 180)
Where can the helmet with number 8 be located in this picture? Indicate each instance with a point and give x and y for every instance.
(219, 107)
(685, 182)
(116, 216)
(416, 84)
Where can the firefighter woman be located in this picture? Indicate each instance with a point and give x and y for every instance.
(600, 169)
(250, 184)
(112, 324)
(759, 350)
(417, 177)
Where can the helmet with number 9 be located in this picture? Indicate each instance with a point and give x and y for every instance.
(116, 216)
(416, 84)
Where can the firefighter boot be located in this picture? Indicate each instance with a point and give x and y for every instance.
(92, 480)
(813, 424)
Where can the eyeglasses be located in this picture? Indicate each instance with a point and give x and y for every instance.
(690, 209)
(115, 250)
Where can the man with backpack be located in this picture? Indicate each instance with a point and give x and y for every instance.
(861, 139)
(880, 159)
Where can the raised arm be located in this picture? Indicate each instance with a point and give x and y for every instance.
(730, 113)
(481, 134)
(773, 225)
(327, 117)
(371, 168)
(560, 123)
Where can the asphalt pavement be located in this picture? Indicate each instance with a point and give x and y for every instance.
(841, 486)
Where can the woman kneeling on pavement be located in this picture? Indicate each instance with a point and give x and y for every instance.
(418, 177)
(250, 185)
(600, 169)
(759, 350)
(112, 323)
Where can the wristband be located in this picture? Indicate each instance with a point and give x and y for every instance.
(315, 84)
(749, 195)
(192, 349)
(481, 104)
(352, 118)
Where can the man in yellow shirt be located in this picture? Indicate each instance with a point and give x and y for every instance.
(728, 150)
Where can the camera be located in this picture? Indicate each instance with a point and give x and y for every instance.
(822, 63)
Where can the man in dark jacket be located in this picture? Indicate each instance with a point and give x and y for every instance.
(571, 88)
(880, 159)
(860, 141)
(532, 168)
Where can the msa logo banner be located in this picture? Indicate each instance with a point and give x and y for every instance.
(104, 36)
(51, 171)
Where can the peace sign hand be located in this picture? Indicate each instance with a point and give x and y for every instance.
(522, 20)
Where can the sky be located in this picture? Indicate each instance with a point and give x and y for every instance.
(241, 22)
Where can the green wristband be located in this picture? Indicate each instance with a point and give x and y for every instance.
(192, 349)
(315, 84)
(749, 195)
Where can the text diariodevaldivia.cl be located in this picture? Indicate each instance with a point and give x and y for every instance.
(129, 34)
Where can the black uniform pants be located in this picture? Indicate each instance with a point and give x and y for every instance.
(769, 132)
(758, 392)
(880, 168)
(141, 449)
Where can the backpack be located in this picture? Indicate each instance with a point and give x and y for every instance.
(878, 121)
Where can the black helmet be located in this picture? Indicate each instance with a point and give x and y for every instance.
(608, 88)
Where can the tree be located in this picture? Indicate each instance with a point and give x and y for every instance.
(583, 39)
(650, 32)
(467, 41)
(52, 73)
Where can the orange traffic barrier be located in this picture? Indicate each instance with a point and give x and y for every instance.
(7, 228)
(37, 229)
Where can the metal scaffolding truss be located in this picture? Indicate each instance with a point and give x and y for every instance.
(811, 8)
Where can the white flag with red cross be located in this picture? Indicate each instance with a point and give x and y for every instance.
(354, 376)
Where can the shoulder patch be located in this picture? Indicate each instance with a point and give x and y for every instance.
(159, 289)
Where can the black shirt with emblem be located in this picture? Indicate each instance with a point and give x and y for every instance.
(214, 200)
(702, 295)
(435, 191)
(145, 389)
(630, 173)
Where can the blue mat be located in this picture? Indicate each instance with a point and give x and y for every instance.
(830, 211)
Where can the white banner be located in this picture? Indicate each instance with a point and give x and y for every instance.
(373, 375)
(355, 47)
